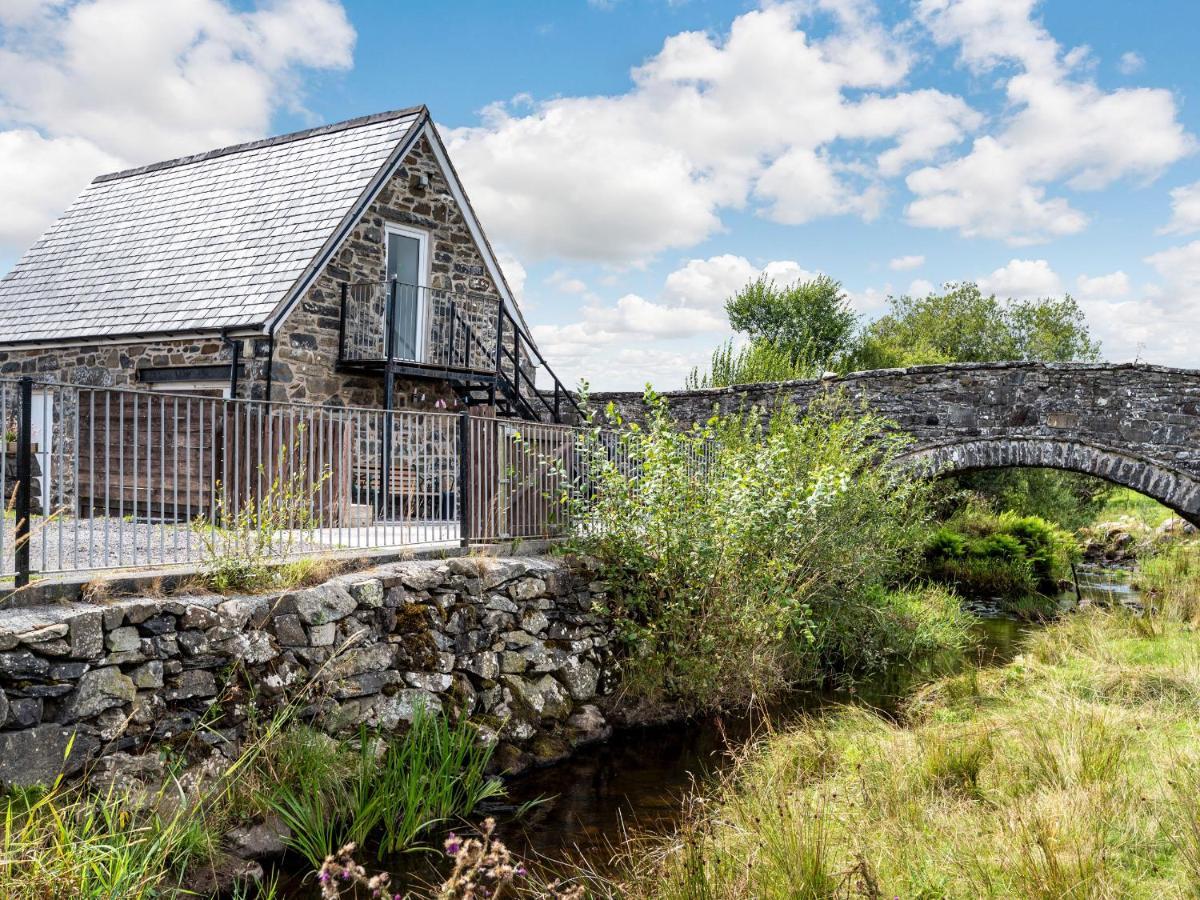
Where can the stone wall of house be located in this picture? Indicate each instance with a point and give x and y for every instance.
(514, 643)
(306, 346)
(116, 365)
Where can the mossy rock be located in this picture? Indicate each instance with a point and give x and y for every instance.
(416, 648)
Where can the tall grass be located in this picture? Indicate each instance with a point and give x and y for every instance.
(1170, 582)
(1072, 772)
(63, 841)
(1017, 560)
(67, 841)
(388, 790)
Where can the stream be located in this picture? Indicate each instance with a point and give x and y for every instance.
(638, 779)
(580, 810)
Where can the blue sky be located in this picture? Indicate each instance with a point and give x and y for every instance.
(636, 160)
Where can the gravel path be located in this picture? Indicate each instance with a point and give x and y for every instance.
(66, 545)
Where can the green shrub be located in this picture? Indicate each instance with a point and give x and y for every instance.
(248, 537)
(1017, 559)
(736, 548)
(885, 625)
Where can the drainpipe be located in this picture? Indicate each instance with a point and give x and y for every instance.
(236, 348)
(270, 363)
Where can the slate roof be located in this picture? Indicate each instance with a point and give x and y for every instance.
(202, 242)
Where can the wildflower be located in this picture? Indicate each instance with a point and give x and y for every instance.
(453, 844)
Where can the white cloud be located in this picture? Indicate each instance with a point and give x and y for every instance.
(635, 316)
(1185, 210)
(904, 263)
(561, 281)
(98, 84)
(1130, 63)
(920, 288)
(1061, 128)
(1022, 279)
(707, 283)
(636, 331)
(615, 365)
(1104, 287)
(39, 176)
(514, 273)
(767, 116)
(1160, 326)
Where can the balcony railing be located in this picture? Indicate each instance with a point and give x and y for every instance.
(422, 326)
(466, 335)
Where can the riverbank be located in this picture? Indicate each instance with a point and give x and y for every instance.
(1072, 771)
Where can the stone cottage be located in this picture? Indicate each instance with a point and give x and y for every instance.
(338, 265)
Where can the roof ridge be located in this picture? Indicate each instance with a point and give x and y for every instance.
(263, 142)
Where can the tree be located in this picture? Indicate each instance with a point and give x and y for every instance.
(1051, 330)
(752, 363)
(963, 325)
(811, 321)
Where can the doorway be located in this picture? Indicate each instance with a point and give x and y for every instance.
(407, 255)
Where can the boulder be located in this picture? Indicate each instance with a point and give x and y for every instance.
(20, 664)
(372, 658)
(368, 593)
(125, 639)
(87, 634)
(587, 725)
(322, 604)
(259, 840)
(580, 678)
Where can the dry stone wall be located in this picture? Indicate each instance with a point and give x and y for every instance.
(513, 643)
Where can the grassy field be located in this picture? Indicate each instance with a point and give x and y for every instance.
(1074, 771)
(1123, 502)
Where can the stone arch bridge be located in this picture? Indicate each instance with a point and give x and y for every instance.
(1134, 425)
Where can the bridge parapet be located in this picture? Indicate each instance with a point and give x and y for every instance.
(1133, 424)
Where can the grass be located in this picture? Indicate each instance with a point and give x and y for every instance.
(67, 841)
(1170, 581)
(1074, 771)
(1123, 502)
(330, 793)
(64, 842)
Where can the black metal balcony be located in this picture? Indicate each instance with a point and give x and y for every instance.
(467, 338)
(418, 326)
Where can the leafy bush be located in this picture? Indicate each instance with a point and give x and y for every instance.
(249, 536)
(1016, 559)
(882, 625)
(735, 548)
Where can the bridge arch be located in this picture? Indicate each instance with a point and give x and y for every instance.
(1175, 489)
(1133, 424)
